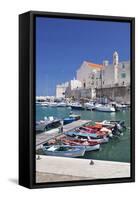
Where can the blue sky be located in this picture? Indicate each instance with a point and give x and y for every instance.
(63, 44)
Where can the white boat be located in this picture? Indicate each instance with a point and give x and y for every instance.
(92, 147)
(119, 106)
(69, 105)
(45, 104)
(38, 103)
(77, 106)
(61, 104)
(90, 105)
(48, 124)
(104, 108)
(64, 150)
(106, 123)
(116, 126)
(53, 104)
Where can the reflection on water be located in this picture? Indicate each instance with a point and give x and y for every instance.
(118, 149)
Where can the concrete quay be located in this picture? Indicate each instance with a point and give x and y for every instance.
(50, 168)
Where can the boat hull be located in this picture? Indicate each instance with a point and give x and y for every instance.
(77, 152)
(85, 134)
(69, 120)
(93, 148)
(103, 108)
(77, 108)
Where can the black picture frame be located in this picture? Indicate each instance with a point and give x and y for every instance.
(27, 99)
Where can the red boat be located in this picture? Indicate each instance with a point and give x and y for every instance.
(89, 146)
(96, 126)
(79, 141)
(103, 130)
(92, 131)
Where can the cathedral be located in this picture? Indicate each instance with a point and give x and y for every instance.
(104, 75)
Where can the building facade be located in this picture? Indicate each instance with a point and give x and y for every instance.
(74, 85)
(106, 75)
(96, 80)
(116, 74)
(89, 74)
(61, 89)
(65, 88)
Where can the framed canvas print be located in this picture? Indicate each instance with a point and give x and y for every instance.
(76, 99)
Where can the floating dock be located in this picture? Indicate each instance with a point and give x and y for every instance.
(51, 168)
(44, 137)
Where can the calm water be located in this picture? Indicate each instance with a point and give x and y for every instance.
(117, 149)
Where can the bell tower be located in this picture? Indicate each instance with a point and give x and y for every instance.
(115, 65)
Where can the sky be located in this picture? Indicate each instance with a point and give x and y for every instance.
(63, 44)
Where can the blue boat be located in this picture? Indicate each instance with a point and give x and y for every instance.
(71, 119)
(92, 135)
(68, 120)
(85, 137)
(64, 150)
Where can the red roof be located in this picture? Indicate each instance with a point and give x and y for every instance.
(93, 65)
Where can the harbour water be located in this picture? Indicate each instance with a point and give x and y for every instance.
(117, 149)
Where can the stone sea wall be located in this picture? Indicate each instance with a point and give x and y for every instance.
(119, 94)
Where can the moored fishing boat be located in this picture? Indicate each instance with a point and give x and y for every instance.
(111, 123)
(99, 130)
(90, 139)
(104, 108)
(53, 104)
(71, 118)
(120, 107)
(90, 131)
(89, 105)
(75, 133)
(88, 145)
(117, 127)
(77, 106)
(68, 120)
(44, 104)
(77, 117)
(64, 150)
(48, 124)
(61, 104)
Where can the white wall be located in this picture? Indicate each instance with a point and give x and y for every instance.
(9, 11)
(60, 90)
(84, 74)
(125, 70)
(75, 84)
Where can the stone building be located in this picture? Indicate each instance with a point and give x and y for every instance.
(97, 80)
(67, 87)
(116, 74)
(105, 75)
(89, 74)
(73, 87)
(61, 89)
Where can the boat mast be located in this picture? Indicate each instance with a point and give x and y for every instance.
(101, 93)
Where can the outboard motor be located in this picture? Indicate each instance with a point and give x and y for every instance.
(116, 130)
(119, 128)
(122, 123)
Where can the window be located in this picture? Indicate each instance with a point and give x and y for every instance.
(93, 76)
(92, 83)
(123, 75)
(123, 66)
